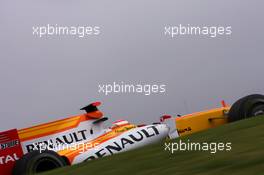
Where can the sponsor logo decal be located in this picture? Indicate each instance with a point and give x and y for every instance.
(123, 142)
(54, 143)
(9, 144)
(180, 131)
(8, 158)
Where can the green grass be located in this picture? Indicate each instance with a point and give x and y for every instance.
(246, 156)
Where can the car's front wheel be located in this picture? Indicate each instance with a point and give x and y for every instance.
(249, 106)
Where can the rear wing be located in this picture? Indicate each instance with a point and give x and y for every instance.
(10, 151)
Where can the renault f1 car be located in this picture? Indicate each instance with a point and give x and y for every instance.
(81, 138)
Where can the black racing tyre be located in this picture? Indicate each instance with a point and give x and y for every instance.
(249, 106)
(36, 162)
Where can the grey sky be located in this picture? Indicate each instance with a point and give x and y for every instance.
(51, 78)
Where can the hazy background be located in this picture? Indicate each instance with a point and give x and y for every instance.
(51, 78)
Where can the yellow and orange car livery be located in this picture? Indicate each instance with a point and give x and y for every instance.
(80, 138)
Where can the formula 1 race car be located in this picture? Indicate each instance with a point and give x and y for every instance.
(81, 138)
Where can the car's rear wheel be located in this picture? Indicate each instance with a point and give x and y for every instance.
(249, 106)
(36, 162)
